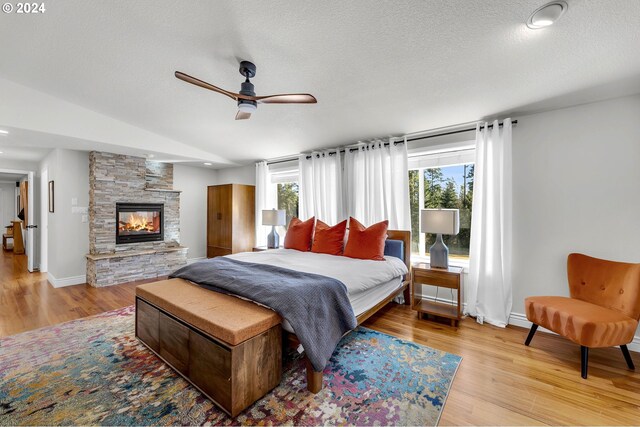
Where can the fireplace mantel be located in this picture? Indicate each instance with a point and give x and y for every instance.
(124, 254)
(162, 190)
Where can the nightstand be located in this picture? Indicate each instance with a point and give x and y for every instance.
(451, 278)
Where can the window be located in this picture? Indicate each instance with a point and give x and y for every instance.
(284, 190)
(442, 178)
(288, 199)
(444, 187)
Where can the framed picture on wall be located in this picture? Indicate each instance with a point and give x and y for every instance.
(51, 197)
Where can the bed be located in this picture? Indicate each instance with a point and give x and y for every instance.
(322, 317)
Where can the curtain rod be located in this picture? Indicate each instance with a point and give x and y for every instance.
(435, 135)
(331, 153)
(351, 150)
(453, 132)
(275, 162)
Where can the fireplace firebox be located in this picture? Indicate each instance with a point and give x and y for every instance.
(139, 222)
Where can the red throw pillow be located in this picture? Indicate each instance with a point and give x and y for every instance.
(366, 243)
(299, 234)
(329, 240)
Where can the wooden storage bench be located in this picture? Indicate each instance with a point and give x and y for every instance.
(229, 348)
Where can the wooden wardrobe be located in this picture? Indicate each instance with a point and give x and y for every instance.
(230, 219)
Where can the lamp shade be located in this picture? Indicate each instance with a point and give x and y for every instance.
(440, 221)
(274, 217)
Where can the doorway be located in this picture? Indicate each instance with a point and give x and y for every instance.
(18, 214)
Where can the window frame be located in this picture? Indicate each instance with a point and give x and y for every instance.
(438, 156)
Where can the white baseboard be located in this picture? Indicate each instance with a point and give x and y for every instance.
(66, 281)
(192, 260)
(519, 319)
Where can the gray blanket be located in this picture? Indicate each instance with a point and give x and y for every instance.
(316, 307)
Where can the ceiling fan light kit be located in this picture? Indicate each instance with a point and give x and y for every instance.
(246, 99)
(247, 106)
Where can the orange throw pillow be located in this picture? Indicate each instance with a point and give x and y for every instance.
(366, 243)
(299, 234)
(329, 240)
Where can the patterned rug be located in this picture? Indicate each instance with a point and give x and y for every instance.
(94, 371)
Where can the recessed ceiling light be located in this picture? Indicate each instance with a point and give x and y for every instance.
(0, 152)
(547, 14)
(150, 156)
(207, 164)
(4, 132)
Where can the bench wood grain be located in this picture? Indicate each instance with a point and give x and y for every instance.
(232, 376)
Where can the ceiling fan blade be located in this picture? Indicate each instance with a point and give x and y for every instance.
(242, 115)
(187, 78)
(287, 98)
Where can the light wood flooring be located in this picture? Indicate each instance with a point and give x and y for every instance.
(28, 301)
(499, 382)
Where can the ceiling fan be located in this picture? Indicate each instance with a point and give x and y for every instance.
(247, 99)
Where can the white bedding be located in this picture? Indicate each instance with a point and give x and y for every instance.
(358, 275)
(368, 282)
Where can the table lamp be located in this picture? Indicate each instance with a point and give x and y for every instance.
(273, 217)
(439, 222)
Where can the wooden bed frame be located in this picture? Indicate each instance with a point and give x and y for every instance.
(314, 378)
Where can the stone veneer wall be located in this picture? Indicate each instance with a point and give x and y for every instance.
(116, 178)
(159, 175)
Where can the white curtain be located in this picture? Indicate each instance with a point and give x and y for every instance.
(266, 198)
(490, 288)
(376, 178)
(320, 186)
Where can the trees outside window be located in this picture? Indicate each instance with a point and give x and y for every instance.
(288, 199)
(448, 187)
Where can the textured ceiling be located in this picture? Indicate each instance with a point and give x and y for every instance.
(377, 67)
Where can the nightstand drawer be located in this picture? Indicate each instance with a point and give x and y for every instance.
(442, 279)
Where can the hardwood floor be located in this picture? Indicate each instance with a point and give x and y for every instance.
(28, 301)
(499, 382)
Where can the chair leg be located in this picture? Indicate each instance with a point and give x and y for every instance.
(532, 332)
(584, 356)
(627, 357)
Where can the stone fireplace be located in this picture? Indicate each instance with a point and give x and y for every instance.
(134, 220)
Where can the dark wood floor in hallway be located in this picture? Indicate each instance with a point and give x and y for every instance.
(500, 381)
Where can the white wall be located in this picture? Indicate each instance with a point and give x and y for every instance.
(193, 182)
(68, 240)
(576, 177)
(7, 205)
(240, 175)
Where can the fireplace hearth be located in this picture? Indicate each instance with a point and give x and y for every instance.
(139, 222)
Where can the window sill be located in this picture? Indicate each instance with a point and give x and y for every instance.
(452, 262)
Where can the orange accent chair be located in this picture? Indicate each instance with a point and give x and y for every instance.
(603, 310)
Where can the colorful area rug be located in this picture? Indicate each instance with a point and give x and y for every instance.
(94, 371)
